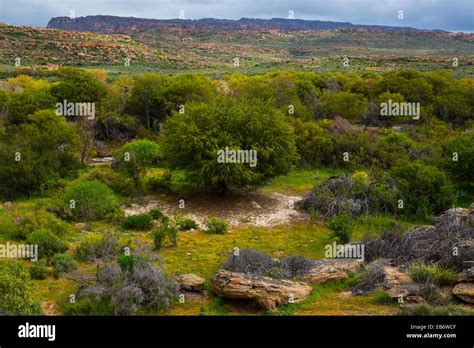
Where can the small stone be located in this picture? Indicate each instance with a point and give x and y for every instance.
(255, 205)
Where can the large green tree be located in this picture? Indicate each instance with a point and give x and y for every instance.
(193, 141)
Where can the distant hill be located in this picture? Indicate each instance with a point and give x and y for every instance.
(113, 24)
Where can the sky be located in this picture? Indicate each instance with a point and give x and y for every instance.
(452, 15)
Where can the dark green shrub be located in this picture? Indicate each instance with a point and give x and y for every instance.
(135, 157)
(424, 189)
(159, 236)
(138, 222)
(187, 224)
(216, 226)
(48, 243)
(125, 262)
(39, 270)
(88, 200)
(341, 227)
(156, 214)
(63, 263)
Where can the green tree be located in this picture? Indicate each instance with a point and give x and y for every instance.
(135, 158)
(194, 140)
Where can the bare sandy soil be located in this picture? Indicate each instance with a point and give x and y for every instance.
(252, 209)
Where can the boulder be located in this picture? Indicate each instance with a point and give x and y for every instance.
(465, 291)
(331, 269)
(192, 282)
(267, 292)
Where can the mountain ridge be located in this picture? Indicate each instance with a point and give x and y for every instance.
(111, 24)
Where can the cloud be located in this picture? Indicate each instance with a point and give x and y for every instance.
(455, 15)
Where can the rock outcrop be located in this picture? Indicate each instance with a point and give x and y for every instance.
(465, 291)
(331, 269)
(267, 292)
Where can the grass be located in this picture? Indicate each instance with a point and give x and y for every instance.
(202, 253)
(326, 299)
(300, 181)
(422, 273)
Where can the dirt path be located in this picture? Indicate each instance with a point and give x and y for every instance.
(253, 209)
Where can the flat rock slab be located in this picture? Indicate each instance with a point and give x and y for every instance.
(267, 292)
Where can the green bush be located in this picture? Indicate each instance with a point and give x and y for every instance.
(116, 181)
(39, 270)
(341, 227)
(134, 158)
(125, 262)
(96, 246)
(89, 200)
(16, 291)
(18, 223)
(187, 224)
(63, 263)
(156, 214)
(48, 243)
(422, 273)
(462, 170)
(159, 236)
(381, 297)
(216, 226)
(424, 189)
(138, 222)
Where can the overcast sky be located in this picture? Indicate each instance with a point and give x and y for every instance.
(454, 15)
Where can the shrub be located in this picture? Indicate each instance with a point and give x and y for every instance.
(346, 194)
(48, 243)
(123, 292)
(187, 224)
(156, 214)
(125, 262)
(341, 227)
(116, 181)
(462, 170)
(138, 222)
(381, 297)
(159, 236)
(63, 263)
(134, 158)
(16, 292)
(250, 261)
(216, 226)
(422, 273)
(39, 270)
(19, 223)
(89, 200)
(424, 189)
(96, 246)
